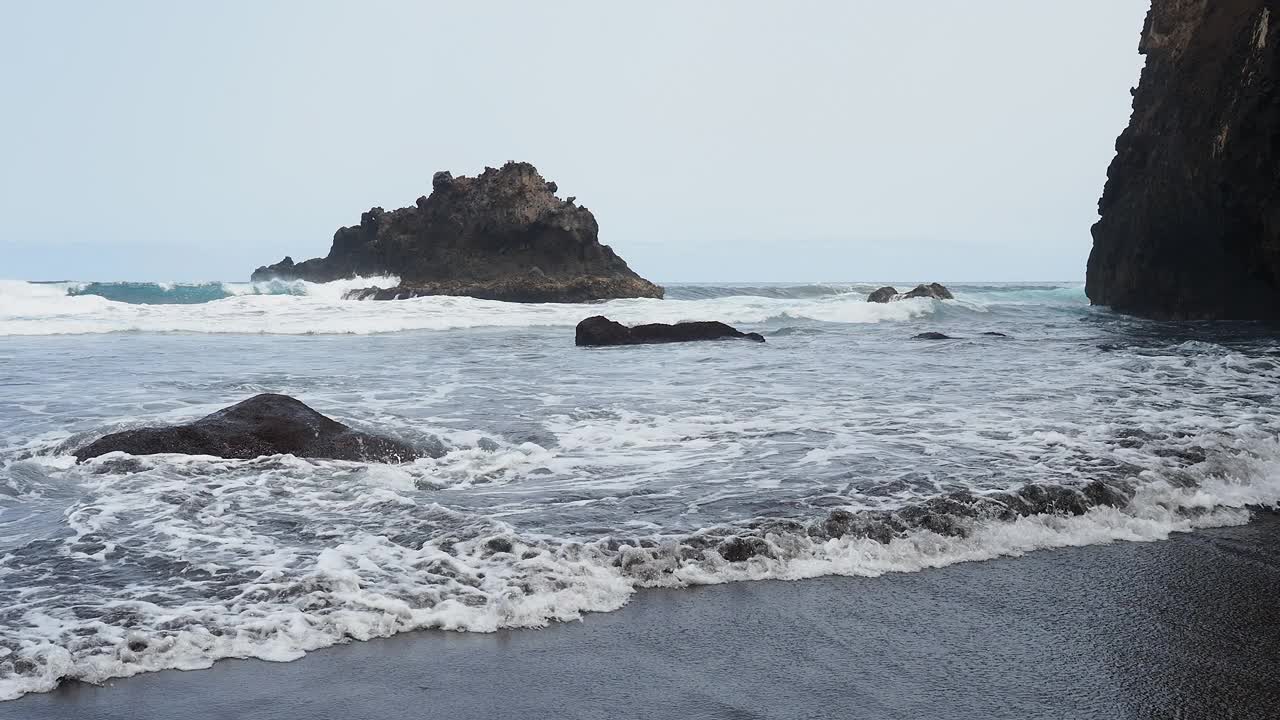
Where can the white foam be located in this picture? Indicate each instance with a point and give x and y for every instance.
(26, 309)
(372, 579)
(334, 290)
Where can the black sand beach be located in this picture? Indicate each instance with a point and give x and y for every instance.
(1187, 628)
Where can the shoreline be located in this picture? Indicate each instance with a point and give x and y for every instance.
(1188, 626)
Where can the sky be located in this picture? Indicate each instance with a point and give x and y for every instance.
(714, 140)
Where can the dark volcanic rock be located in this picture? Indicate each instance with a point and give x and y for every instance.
(889, 294)
(502, 235)
(932, 336)
(600, 330)
(1190, 215)
(262, 425)
(932, 290)
(740, 549)
(882, 295)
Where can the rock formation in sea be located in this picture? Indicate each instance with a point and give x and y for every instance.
(888, 293)
(502, 235)
(1190, 214)
(600, 330)
(883, 295)
(265, 424)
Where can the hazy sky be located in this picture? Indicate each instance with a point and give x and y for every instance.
(713, 140)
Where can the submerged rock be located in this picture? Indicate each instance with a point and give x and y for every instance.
(1190, 215)
(266, 424)
(889, 293)
(740, 549)
(600, 330)
(502, 235)
(941, 336)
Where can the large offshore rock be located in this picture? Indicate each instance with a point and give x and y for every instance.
(502, 235)
(1190, 215)
(936, 291)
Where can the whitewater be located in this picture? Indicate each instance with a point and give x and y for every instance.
(561, 480)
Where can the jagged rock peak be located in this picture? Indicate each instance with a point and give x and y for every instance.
(503, 234)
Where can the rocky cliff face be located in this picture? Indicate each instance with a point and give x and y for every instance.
(1190, 216)
(502, 235)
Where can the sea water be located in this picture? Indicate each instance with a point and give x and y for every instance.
(559, 480)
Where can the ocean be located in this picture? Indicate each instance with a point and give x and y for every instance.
(560, 480)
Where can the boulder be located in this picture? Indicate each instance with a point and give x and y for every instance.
(932, 336)
(883, 295)
(502, 235)
(600, 330)
(932, 290)
(889, 293)
(265, 424)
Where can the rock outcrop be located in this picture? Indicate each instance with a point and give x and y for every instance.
(932, 290)
(889, 293)
(1190, 215)
(600, 330)
(885, 294)
(502, 235)
(265, 424)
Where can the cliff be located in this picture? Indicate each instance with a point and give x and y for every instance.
(1190, 215)
(502, 235)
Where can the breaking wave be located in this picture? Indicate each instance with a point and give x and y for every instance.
(299, 307)
(277, 559)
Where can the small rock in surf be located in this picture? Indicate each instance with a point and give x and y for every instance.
(883, 295)
(889, 293)
(600, 330)
(932, 290)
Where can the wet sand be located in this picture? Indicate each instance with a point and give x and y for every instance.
(1186, 628)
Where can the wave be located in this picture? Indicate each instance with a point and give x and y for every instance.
(1028, 294)
(36, 310)
(171, 293)
(166, 293)
(265, 576)
(299, 307)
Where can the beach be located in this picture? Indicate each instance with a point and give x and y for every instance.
(1184, 628)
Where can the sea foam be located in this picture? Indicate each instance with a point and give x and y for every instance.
(299, 308)
(395, 564)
